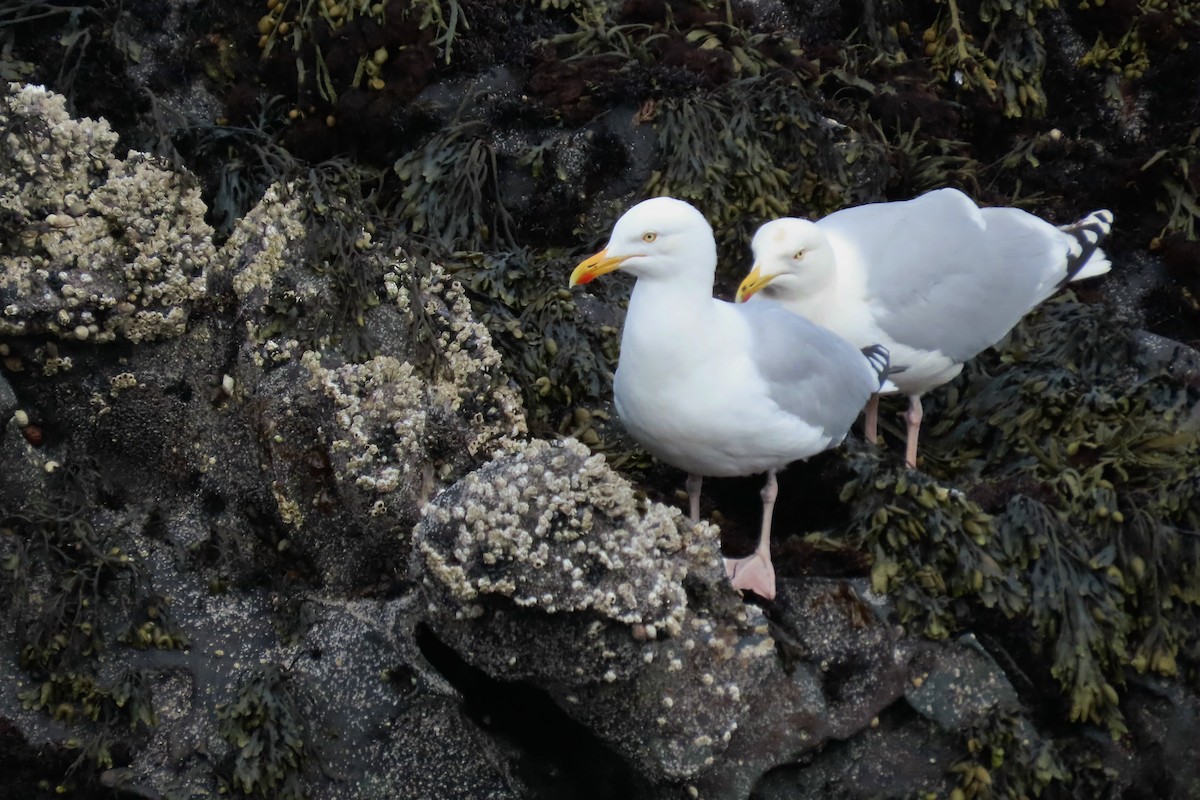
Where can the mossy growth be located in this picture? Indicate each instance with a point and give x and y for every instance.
(65, 583)
(1060, 493)
(264, 725)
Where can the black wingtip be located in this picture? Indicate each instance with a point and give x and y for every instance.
(1088, 233)
(880, 360)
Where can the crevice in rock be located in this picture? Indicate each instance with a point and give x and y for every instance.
(556, 757)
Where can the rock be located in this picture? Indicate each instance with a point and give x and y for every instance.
(893, 760)
(343, 704)
(956, 686)
(352, 450)
(101, 248)
(840, 665)
(544, 566)
(8, 401)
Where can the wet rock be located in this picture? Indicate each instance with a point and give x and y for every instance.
(893, 760)
(544, 566)
(841, 663)
(352, 450)
(366, 716)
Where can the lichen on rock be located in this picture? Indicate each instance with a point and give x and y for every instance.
(99, 248)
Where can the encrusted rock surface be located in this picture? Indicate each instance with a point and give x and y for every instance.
(100, 248)
(545, 566)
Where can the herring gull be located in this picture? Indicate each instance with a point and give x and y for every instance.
(936, 280)
(716, 388)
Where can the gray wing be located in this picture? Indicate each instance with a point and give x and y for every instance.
(812, 372)
(944, 274)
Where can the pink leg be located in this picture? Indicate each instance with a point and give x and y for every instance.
(755, 572)
(913, 418)
(871, 420)
(693, 489)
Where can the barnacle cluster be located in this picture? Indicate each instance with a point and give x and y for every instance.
(306, 261)
(553, 527)
(98, 248)
(404, 426)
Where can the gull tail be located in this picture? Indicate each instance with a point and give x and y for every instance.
(880, 360)
(1085, 259)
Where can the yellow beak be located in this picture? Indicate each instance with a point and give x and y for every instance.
(752, 283)
(592, 268)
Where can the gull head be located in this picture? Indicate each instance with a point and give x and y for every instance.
(658, 238)
(792, 258)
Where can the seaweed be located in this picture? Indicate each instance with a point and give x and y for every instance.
(265, 727)
(61, 579)
(1179, 199)
(451, 193)
(754, 149)
(1061, 492)
(1133, 36)
(1007, 67)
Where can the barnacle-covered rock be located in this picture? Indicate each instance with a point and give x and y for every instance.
(551, 527)
(400, 427)
(357, 439)
(99, 248)
(545, 566)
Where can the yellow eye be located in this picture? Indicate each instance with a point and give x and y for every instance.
(799, 255)
(649, 236)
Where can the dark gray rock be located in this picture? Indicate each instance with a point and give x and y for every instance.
(8, 400)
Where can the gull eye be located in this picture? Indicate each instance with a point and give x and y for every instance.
(649, 236)
(799, 255)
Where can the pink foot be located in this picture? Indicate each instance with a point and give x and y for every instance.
(755, 572)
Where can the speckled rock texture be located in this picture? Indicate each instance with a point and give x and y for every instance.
(272, 522)
(202, 521)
